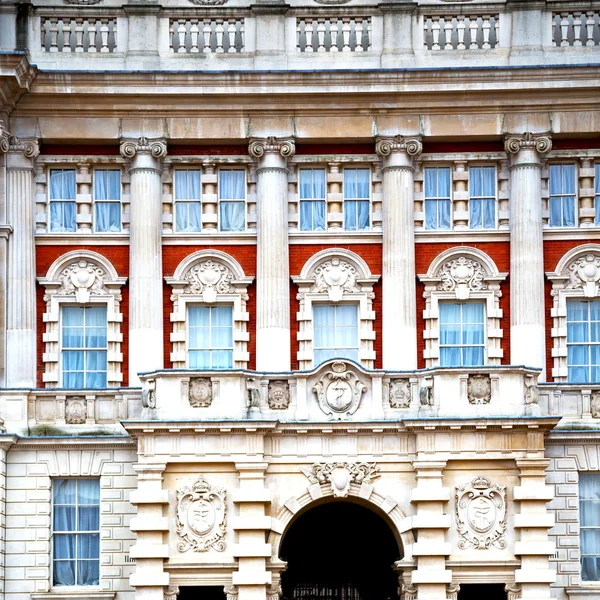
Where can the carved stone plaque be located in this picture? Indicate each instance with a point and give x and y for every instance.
(279, 394)
(201, 392)
(479, 389)
(339, 391)
(400, 393)
(75, 411)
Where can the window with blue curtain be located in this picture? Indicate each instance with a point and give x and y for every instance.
(482, 197)
(84, 347)
(210, 337)
(357, 199)
(232, 200)
(583, 341)
(438, 203)
(76, 532)
(597, 196)
(188, 209)
(312, 199)
(462, 334)
(335, 329)
(562, 195)
(107, 200)
(63, 207)
(589, 525)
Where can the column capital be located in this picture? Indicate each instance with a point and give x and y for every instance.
(156, 147)
(285, 147)
(4, 137)
(540, 142)
(411, 145)
(29, 147)
(171, 592)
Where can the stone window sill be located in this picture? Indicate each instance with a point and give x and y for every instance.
(74, 594)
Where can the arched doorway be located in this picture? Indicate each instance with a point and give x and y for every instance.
(339, 551)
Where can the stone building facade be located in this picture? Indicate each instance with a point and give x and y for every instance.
(299, 300)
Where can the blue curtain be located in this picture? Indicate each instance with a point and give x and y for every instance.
(188, 217)
(312, 200)
(589, 518)
(107, 186)
(482, 197)
(188, 209)
(462, 334)
(562, 195)
(62, 213)
(335, 332)
(583, 341)
(232, 186)
(597, 201)
(210, 337)
(357, 205)
(437, 198)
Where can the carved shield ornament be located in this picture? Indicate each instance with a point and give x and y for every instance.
(201, 517)
(339, 391)
(481, 514)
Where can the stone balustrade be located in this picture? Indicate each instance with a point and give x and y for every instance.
(577, 28)
(578, 403)
(209, 35)
(79, 34)
(333, 34)
(461, 32)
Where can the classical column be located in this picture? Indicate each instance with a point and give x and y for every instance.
(5, 230)
(527, 314)
(272, 261)
(145, 256)
(399, 312)
(20, 315)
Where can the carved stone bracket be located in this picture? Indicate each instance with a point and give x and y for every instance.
(339, 391)
(155, 147)
(532, 394)
(540, 142)
(149, 394)
(341, 474)
(513, 591)
(408, 591)
(171, 592)
(452, 590)
(231, 592)
(258, 147)
(411, 145)
(595, 405)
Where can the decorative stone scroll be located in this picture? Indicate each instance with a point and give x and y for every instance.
(149, 394)
(584, 274)
(30, 147)
(171, 592)
(513, 591)
(400, 393)
(339, 391)
(201, 517)
(452, 590)
(386, 145)
(341, 474)
(462, 274)
(200, 393)
(258, 147)
(540, 142)
(408, 591)
(156, 147)
(75, 411)
(4, 137)
(208, 279)
(479, 389)
(481, 514)
(278, 395)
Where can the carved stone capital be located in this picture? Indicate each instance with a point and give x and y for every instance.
(29, 147)
(171, 592)
(285, 147)
(385, 146)
(540, 142)
(156, 147)
(4, 137)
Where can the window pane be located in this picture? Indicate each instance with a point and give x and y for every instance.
(443, 187)
(199, 359)
(350, 215)
(232, 184)
(431, 183)
(88, 518)
(108, 217)
(555, 179)
(232, 216)
(88, 492)
(476, 181)
(350, 184)
(88, 572)
(362, 185)
(62, 217)
(64, 518)
(64, 491)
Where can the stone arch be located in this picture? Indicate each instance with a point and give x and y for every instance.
(352, 258)
(437, 264)
(203, 255)
(573, 254)
(74, 256)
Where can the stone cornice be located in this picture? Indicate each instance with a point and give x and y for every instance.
(540, 142)
(156, 147)
(258, 147)
(412, 145)
(16, 77)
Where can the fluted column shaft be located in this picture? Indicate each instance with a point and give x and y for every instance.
(272, 254)
(399, 314)
(145, 257)
(527, 314)
(21, 309)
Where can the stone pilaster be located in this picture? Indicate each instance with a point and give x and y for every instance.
(527, 326)
(399, 276)
(20, 299)
(430, 525)
(150, 580)
(145, 256)
(273, 351)
(6, 441)
(5, 230)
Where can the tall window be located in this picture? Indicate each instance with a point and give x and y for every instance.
(84, 347)
(188, 208)
(232, 200)
(589, 517)
(210, 337)
(107, 200)
(312, 200)
(63, 207)
(583, 341)
(357, 204)
(335, 332)
(76, 531)
(462, 334)
(597, 196)
(437, 198)
(482, 197)
(562, 195)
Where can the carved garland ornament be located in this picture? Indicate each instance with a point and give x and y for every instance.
(278, 395)
(341, 474)
(339, 391)
(481, 514)
(584, 273)
(479, 389)
(81, 278)
(400, 393)
(462, 272)
(201, 517)
(335, 277)
(208, 279)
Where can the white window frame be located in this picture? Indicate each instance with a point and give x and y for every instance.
(582, 527)
(51, 200)
(100, 285)
(438, 198)
(352, 282)
(190, 305)
(460, 346)
(575, 194)
(344, 199)
(463, 274)
(480, 166)
(303, 167)
(176, 200)
(96, 201)
(244, 200)
(227, 284)
(318, 304)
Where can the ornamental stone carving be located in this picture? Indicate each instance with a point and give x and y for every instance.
(513, 591)
(426, 392)
(274, 591)
(411, 145)
(479, 389)
(278, 395)
(339, 391)
(149, 394)
(452, 590)
(400, 393)
(82, 278)
(231, 592)
(335, 277)
(258, 147)
(155, 147)
(171, 592)
(462, 275)
(481, 514)
(595, 405)
(584, 274)
(4, 137)
(540, 142)
(201, 517)
(200, 393)
(532, 394)
(341, 474)
(208, 279)
(209, 2)
(30, 147)
(83, 2)
(75, 411)
(408, 591)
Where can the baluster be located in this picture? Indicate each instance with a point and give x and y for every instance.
(497, 30)
(53, 35)
(242, 40)
(577, 29)
(231, 34)
(219, 30)
(92, 35)
(460, 28)
(181, 35)
(79, 35)
(321, 34)
(298, 33)
(448, 23)
(589, 25)
(346, 34)
(66, 29)
(194, 33)
(369, 33)
(207, 32)
(358, 30)
(104, 34)
(333, 32)
(435, 32)
(172, 35)
(43, 22)
(486, 31)
(564, 28)
(473, 27)
(308, 32)
(554, 30)
(114, 34)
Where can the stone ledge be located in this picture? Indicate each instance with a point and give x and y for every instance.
(74, 595)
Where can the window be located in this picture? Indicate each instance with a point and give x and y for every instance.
(63, 208)
(462, 334)
(232, 200)
(210, 337)
(597, 197)
(583, 341)
(84, 347)
(312, 200)
(437, 198)
(482, 197)
(562, 195)
(335, 332)
(188, 208)
(76, 531)
(357, 205)
(107, 200)
(589, 516)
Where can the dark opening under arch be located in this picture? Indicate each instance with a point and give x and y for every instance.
(339, 551)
